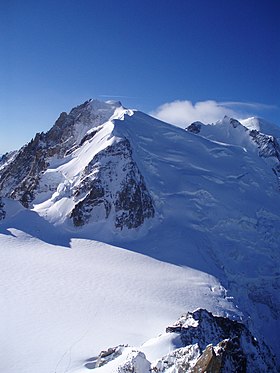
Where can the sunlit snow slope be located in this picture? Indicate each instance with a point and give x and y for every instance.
(62, 305)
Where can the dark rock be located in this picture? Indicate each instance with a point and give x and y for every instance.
(108, 355)
(195, 127)
(88, 136)
(82, 211)
(120, 191)
(133, 204)
(2, 211)
(20, 178)
(268, 145)
(235, 123)
(227, 345)
(208, 362)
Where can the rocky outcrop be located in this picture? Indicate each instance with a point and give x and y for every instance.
(180, 360)
(7, 158)
(268, 148)
(113, 185)
(268, 145)
(2, 211)
(225, 345)
(20, 178)
(105, 357)
(208, 344)
(195, 127)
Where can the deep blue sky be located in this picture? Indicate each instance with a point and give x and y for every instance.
(57, 54)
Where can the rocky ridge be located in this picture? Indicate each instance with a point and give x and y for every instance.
(2, 210)
(93, 192)
(130, 204)
(204, 343)
(268, 145)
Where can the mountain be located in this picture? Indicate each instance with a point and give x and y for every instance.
(159, 221)
(83, 168)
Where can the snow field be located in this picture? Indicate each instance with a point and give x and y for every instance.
(60, 306)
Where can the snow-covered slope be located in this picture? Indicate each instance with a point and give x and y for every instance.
(262, 125)
(63, 304)
(197, 342)
(130, 222)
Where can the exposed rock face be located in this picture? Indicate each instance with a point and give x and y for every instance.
(208, 344)
(268, 145)
(2, 211)
(6, 158)
(105, 356)
(19, 178)
(195, 127)
(112, 183)
(226, 345)
(268, 148)
(178, 361)
(235, 123)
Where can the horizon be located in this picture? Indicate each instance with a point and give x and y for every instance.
(187, 57)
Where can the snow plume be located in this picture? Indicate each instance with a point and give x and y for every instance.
(183, 113)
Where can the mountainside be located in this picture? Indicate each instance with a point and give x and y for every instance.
(197, 208)
(82, 168)
(197, 342)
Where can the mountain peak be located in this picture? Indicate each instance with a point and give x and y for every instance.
(81, 166)
(261, 125)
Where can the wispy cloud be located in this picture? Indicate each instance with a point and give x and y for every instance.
(115, 96)
(184, 112)
(249, 105)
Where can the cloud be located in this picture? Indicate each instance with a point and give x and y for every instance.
(182, 113)
(249, 105)
(115, 96)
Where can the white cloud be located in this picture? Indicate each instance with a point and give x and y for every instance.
(183, 113)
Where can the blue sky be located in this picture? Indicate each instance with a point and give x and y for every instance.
(57, 54)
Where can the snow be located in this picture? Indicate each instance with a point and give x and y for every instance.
(56, 203)
(67, 294)
(160, 346)
(63, 304)
(262, 125)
